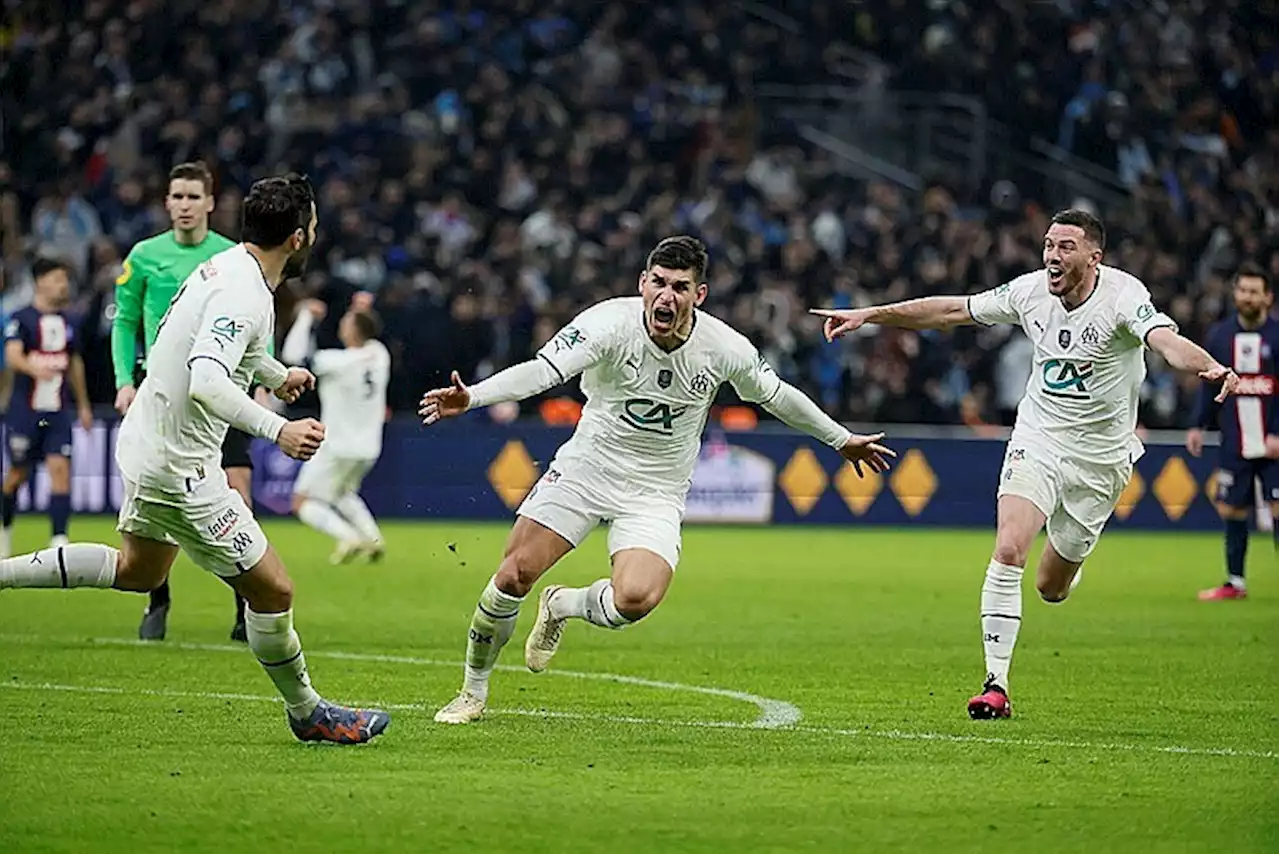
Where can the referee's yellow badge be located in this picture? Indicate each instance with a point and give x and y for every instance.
(125, 273)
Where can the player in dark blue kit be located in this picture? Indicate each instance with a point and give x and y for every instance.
(41, 349)
(1248, 343)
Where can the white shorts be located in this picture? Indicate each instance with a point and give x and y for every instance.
(572, 500)
(1076, 498)
(210, 522)
(327, 477)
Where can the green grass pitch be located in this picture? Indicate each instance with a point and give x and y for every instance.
(1145, 721)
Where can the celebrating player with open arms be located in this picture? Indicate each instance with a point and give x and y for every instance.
(1074, 442)
(209, 347)
(651, 366)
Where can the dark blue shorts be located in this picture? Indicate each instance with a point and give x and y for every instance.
(32, 436)
(1236, 478)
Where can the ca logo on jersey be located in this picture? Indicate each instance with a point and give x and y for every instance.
(1064, 378)
(568, 338)
(225, 330)
(651, 416)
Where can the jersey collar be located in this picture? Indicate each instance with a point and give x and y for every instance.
(1097, 285)
(261, 272)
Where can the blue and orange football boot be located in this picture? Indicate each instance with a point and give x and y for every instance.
(340, 724)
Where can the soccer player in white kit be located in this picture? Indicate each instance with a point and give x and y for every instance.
(651, 366)
(1074, 442)
(352, 385)
(211, 344)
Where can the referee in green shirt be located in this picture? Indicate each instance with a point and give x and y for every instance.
(153, 271)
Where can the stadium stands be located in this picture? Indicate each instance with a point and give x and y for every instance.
(487, 168)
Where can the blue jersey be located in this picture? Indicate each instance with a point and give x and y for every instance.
(1249, 416)
(47, 339)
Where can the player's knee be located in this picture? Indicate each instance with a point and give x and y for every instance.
(273, 597)
(1010, 551)
(1226, 511)
(14, 477)
(634, 601)
(519, 571)
(134, 576)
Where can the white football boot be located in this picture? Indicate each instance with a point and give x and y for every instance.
(544, 637)
(462, 709)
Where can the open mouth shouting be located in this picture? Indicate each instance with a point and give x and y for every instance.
(663, 317)
(1057, 273)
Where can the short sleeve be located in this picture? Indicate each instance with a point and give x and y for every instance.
(994, 306)
(13, 330)
(581, 343)
(1138, 316)
(753, 378)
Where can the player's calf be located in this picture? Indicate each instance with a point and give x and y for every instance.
(64, 567)
(492, 625)
(532, 549)
(13, 479)
(268, 594)
(1056, 576)
(59, 469)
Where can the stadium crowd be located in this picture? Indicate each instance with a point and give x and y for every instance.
(487, 169)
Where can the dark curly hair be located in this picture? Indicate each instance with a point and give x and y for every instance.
(275, 208)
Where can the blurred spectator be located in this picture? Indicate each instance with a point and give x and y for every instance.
(485, 169)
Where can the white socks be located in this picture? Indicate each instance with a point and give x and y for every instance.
(357, 513)
(1001, 618)
(491, 627)
(276, 644)
(326, 520)
(77, 565)
(594, 604)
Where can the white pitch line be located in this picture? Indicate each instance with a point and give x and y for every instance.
(774, 714)
(887, 735)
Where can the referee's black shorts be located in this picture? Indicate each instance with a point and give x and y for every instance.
(235, 450)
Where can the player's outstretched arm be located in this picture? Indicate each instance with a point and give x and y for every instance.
(512, 384)
(923, 313)
(795, 409)
(1183, 354)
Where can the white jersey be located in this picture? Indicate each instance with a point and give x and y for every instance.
(646, 408)
(1082, 397)
(352, 384)
(224, 311)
